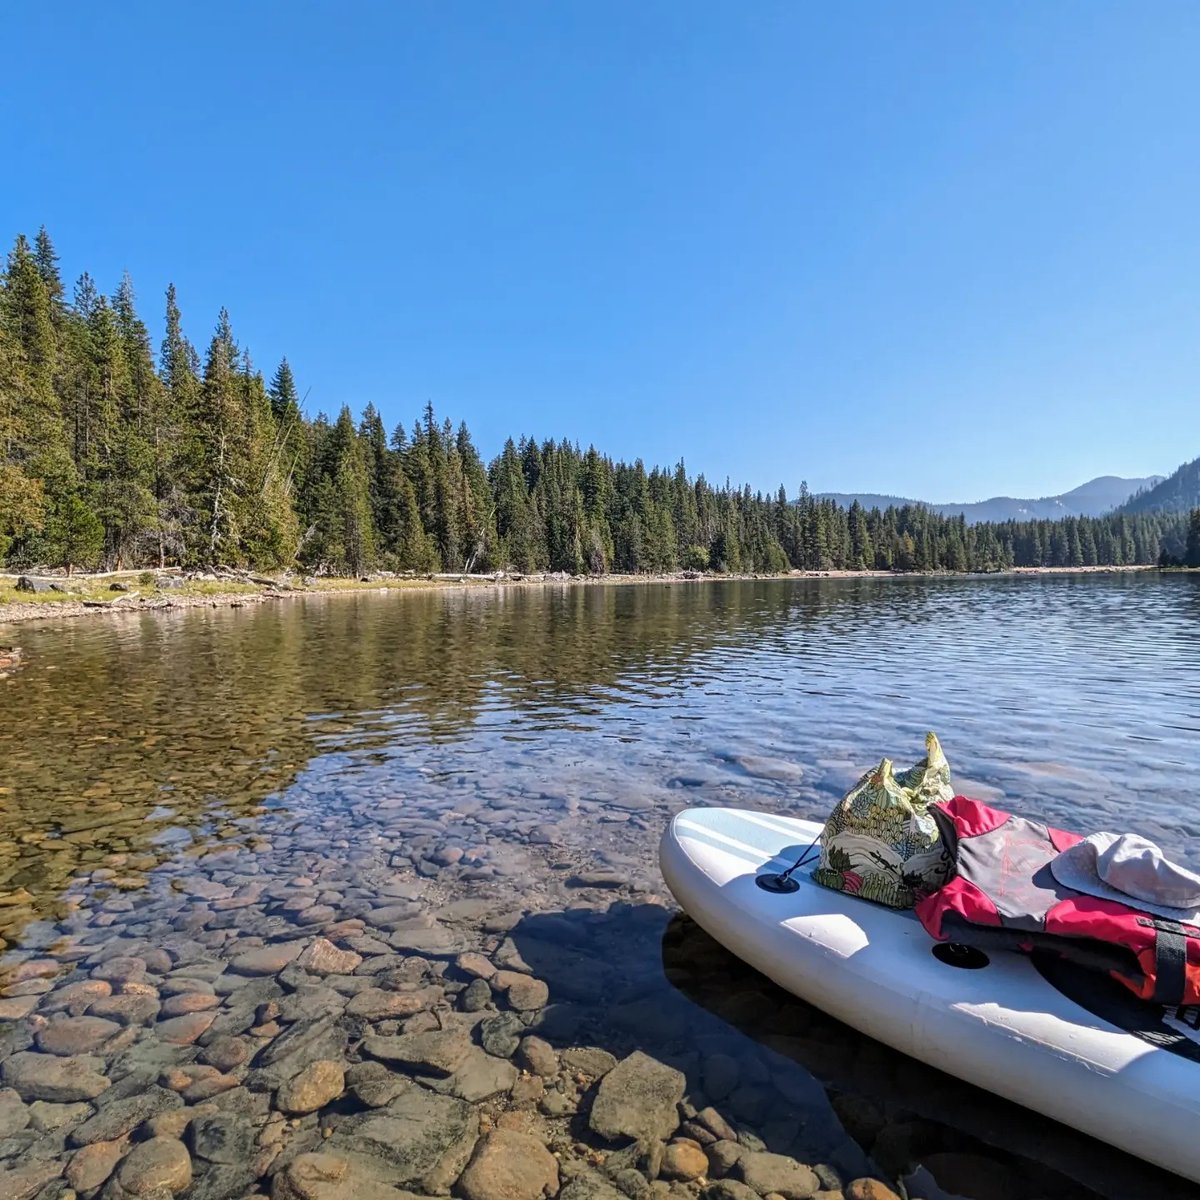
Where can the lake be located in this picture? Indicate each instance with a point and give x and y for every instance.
(201, 797)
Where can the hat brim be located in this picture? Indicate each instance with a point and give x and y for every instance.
(1072, 871)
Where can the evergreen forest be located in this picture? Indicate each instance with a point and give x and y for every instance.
(115, 456)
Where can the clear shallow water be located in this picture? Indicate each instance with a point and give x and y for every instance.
(520, 750)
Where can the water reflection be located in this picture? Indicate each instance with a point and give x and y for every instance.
(1075, 699)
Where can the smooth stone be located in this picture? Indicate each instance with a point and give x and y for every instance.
(69, 1036)
(184, 1030)
(92, 1165)
(638, 1099)
(127, 1009)
(766, 1172)
(123, 1116)
(14, 1116)
(24, 1183)
(76, 996)
(589, 1186)
(317, 1176)
(476, 996)
(56, 1118)
(723, 1156)
(729, 1189)
(322, 957)
(537, 1056)
(376, 1004)
(158, 1163)
(589, 1060)
(120, 969)
(421, 1138)
(17, 1008)
(47, 1077)
(869, 1189)
(189, 1002)
(507, 1165)
(315, 1086)
(684, 1160)
(223, 1138)
(226, 1053)
(266, 960)
(478, 1077)
(475, 965)
(501, 1035)
(438, 1052)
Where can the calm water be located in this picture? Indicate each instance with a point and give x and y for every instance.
(497, 741)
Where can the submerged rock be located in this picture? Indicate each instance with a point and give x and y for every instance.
(47, 1077)
(638, 1099)
(507, 1165)
(421, 1138)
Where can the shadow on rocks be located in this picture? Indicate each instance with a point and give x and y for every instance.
(782, 1077)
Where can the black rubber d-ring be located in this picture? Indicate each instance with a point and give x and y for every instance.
(780, 885)
(955, 955)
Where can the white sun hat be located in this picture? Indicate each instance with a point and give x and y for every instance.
(1131, 870)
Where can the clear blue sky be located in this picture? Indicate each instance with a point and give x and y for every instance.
(936, 249)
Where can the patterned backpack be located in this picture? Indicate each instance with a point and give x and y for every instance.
(881, 843)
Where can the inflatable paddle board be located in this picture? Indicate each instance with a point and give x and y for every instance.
(1058, 1040)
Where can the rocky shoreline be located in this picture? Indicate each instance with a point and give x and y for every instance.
(127, 598)
(323, 1018)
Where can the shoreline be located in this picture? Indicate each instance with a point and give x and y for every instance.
(237, 591)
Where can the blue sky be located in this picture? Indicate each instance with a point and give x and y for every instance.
(945, 249)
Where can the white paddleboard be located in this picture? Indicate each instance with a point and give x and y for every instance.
(1104, 1069)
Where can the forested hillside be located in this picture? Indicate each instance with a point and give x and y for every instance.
(1179, 492)
(112, 456)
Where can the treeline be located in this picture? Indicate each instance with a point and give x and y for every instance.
(111, 456)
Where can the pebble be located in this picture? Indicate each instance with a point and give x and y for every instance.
(684, 1160)
(23, 1183)
(222, 1138)
(776, 1173)
(14, 1116)
(322, 957)
(267, 960)
(476, 996)
(507, 1165)
(438, 1052)
(76, 996)
(69, 1036)
(120, 969)
(127, 1009)
(537, 1056)
(47, 1077)
(189, 1002)
(158, 1163)
(185, 1030)
(315, 1086)
(92, 1165)
(869, 1189)
(475, 965)
(119, 1117)
(376, 1004)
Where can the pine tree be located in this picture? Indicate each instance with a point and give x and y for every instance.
(1192, 551)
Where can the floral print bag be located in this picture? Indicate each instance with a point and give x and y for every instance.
(881, 842)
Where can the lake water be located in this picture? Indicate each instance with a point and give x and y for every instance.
(500, 764)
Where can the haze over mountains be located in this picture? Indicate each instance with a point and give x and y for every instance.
(1091, 499)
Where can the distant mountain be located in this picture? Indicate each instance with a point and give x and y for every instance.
(1091, 499)
(1179, 492)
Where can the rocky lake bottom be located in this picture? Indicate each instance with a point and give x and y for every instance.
(338, 941)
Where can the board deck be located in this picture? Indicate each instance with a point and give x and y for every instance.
(1004, 1027)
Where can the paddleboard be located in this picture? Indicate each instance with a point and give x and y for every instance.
(1064, 1042)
